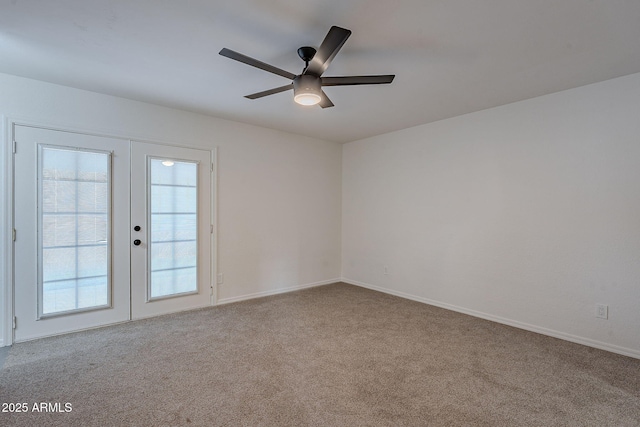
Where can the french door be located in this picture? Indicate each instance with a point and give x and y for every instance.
(171, 229)
(107, 230)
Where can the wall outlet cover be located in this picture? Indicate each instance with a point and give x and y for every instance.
(602, 311)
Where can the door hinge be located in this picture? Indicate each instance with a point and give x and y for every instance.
(211, 230)
(15, 321)
(211, 167)
(15, 147)
(14, 235)
(211, 291)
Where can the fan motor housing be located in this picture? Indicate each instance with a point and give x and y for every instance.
(307, 89)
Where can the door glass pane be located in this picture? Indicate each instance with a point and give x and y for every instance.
(74, 222)
(173, 224)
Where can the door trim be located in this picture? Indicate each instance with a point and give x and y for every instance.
(6, 227)
(7, 283)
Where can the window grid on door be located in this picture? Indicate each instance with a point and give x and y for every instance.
(74, 206)
(173, 223)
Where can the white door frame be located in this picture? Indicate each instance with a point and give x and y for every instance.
(6, 232)
(7, 125)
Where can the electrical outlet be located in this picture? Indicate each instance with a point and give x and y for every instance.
(220, 279)
(602, 311)
(385, 270)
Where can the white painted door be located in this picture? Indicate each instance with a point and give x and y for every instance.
(71, 218)
(107, 230)
(171, 229)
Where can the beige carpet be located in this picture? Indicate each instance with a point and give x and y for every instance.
(335, 355)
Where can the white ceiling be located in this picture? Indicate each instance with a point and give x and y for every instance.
(450, 57)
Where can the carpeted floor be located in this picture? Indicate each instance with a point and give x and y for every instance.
(336, 355)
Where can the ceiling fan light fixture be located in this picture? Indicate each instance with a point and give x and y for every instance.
(306, 98)
(307, 90)
(307, 86)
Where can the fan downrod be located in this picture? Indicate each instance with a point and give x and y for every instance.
(306, 53)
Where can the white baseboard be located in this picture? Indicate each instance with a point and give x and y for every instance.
(275, 291)
(532, 328)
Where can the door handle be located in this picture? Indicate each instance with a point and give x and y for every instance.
(137, 242)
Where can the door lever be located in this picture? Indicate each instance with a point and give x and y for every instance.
(137, 242)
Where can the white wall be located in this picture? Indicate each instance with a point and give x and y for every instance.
(528, 214)
(278, 194)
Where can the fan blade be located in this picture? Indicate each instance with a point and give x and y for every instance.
(325, 102)
(357, 80)
(328, 50)
(270, 91)
(255, 63)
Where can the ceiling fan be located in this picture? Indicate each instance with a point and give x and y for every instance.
(307, 86)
